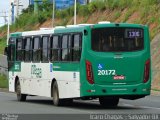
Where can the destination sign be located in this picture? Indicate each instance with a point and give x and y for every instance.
(133, 33)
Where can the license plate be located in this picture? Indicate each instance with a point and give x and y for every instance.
(119, 77)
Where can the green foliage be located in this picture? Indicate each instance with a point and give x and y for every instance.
(152, 20)
(25, 20)
(100, 5)
(85, 19)
(61, 14)
(154, 32)
(3, 81)
(45, 6)
(125, 4)
(96, 5)
(29, 9)
(147, 2)
(113, 4)
(45, 11)
(42, 18)
(70, 11)
(64, 21)
(102, 18)
(146, 8)
(83, 10)
(92, 7)
(2, 44)
(128, 14)
(116, 15)
(144, 12)
(159, 21)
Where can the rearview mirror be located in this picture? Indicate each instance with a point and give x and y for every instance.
(6, 51)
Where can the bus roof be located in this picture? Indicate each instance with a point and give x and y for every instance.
(16, 34)
(71, 28)
(38, 32)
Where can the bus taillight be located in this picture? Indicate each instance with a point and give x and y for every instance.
(146, 71)
(89, 72)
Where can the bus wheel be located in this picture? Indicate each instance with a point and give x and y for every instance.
(56, 100)
(20, 96)
(108, 102)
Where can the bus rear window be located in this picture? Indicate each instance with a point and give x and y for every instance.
(117, 39)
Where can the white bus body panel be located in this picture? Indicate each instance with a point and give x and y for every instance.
(41, 32)
(40, 84)
(11, 82)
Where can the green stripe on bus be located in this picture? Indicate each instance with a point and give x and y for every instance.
(66, 66)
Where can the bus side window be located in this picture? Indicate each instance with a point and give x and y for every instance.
(77, 46)
(65, 48)
(11, 56)
(36, 49)
(45, 46)
(19, 50)
(70, 48)
(27, 47)
(55, 49)
(11, 52)
(11, 49)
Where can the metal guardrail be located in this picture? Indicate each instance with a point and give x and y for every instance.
(3, 65)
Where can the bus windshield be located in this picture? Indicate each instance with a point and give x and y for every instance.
(117, 39)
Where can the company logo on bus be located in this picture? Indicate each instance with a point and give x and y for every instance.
(118, 77)
(17, 67)
(35, 71)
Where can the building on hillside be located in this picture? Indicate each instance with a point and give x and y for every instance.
(31, 2)
(62, 4)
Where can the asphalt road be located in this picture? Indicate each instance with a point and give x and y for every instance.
(42, 106)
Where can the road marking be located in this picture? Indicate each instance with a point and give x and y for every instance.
(129, 105)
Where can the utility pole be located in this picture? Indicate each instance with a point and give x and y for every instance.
(12, 11)
(17, 5)
(53, 14)
(9, 15)
(75, 11)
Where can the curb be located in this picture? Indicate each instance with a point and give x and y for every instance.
(155, 92)
(4, 90)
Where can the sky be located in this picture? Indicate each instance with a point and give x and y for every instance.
(5, 6)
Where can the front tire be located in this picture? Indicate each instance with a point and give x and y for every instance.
(56, 100)
(20, 96)
(108, 102)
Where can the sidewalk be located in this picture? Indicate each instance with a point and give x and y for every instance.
(4, 90)
(155, 92)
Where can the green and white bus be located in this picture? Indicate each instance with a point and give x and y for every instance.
(108, 61)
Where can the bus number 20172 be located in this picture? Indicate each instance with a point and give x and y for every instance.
(106, 72)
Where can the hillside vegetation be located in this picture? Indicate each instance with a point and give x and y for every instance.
(130, 11)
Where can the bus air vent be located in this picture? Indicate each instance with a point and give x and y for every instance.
(104, 22)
